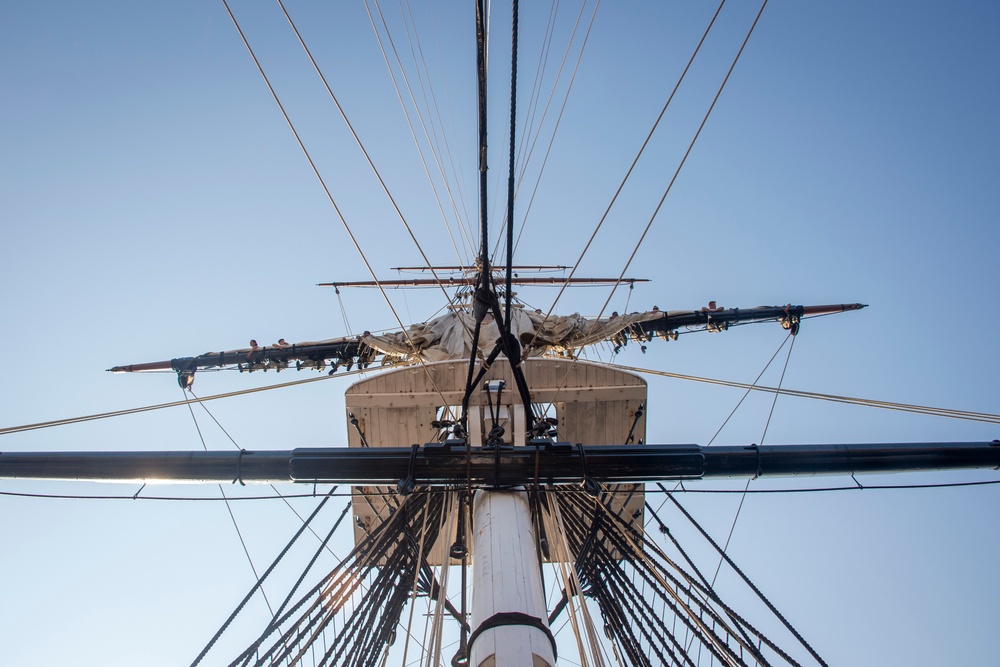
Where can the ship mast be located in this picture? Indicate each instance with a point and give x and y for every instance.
(509, 623)
(497, 476)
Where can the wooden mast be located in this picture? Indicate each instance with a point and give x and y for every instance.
(509, 616)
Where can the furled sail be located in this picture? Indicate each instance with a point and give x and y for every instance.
(450, 336)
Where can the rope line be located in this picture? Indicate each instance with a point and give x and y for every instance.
(686, 489)
(273, 487)
(562, 110)
(529, 119)
(603, 218)
(324, 544)
(414, 36)
(747, 392)
(361, 601)
(364, 151)
(744, 577)
(697, 593)
(508, 296)
(329, 194)
(602, 560)
(430, 135)
(232, 516)
(849, 400)
(173, 404)
(343, 312)
(628, 173)
(687, 152)
(767, 423)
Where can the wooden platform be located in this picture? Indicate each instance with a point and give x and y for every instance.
(594, 405)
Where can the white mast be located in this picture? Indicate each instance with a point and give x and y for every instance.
(507, 590)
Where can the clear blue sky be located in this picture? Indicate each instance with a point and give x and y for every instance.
(153, 204)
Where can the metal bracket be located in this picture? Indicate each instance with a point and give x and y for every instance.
(406, 485)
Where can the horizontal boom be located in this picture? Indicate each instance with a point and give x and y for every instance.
(556, 464)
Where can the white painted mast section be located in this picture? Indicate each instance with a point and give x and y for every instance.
(506, 577)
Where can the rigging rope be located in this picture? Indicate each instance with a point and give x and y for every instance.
(232, 516)
(413, 592)
(950, 413)
(687, 152)
(510, 177)
(821, 489)
(274, 616)
(260, 581)
(707, 593)
(747, 392)
(744, 577)
(767, 423)
(635, 160)
(173, 404)
(601, 221)
(236, 445)
(369, 620)
(558, 539)
(364, 151)
(427, 134)
(624, 541)
(326, 189)
(343, 312)
(562, 110)
(481, 35)
(447, 524)
(701, 577)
